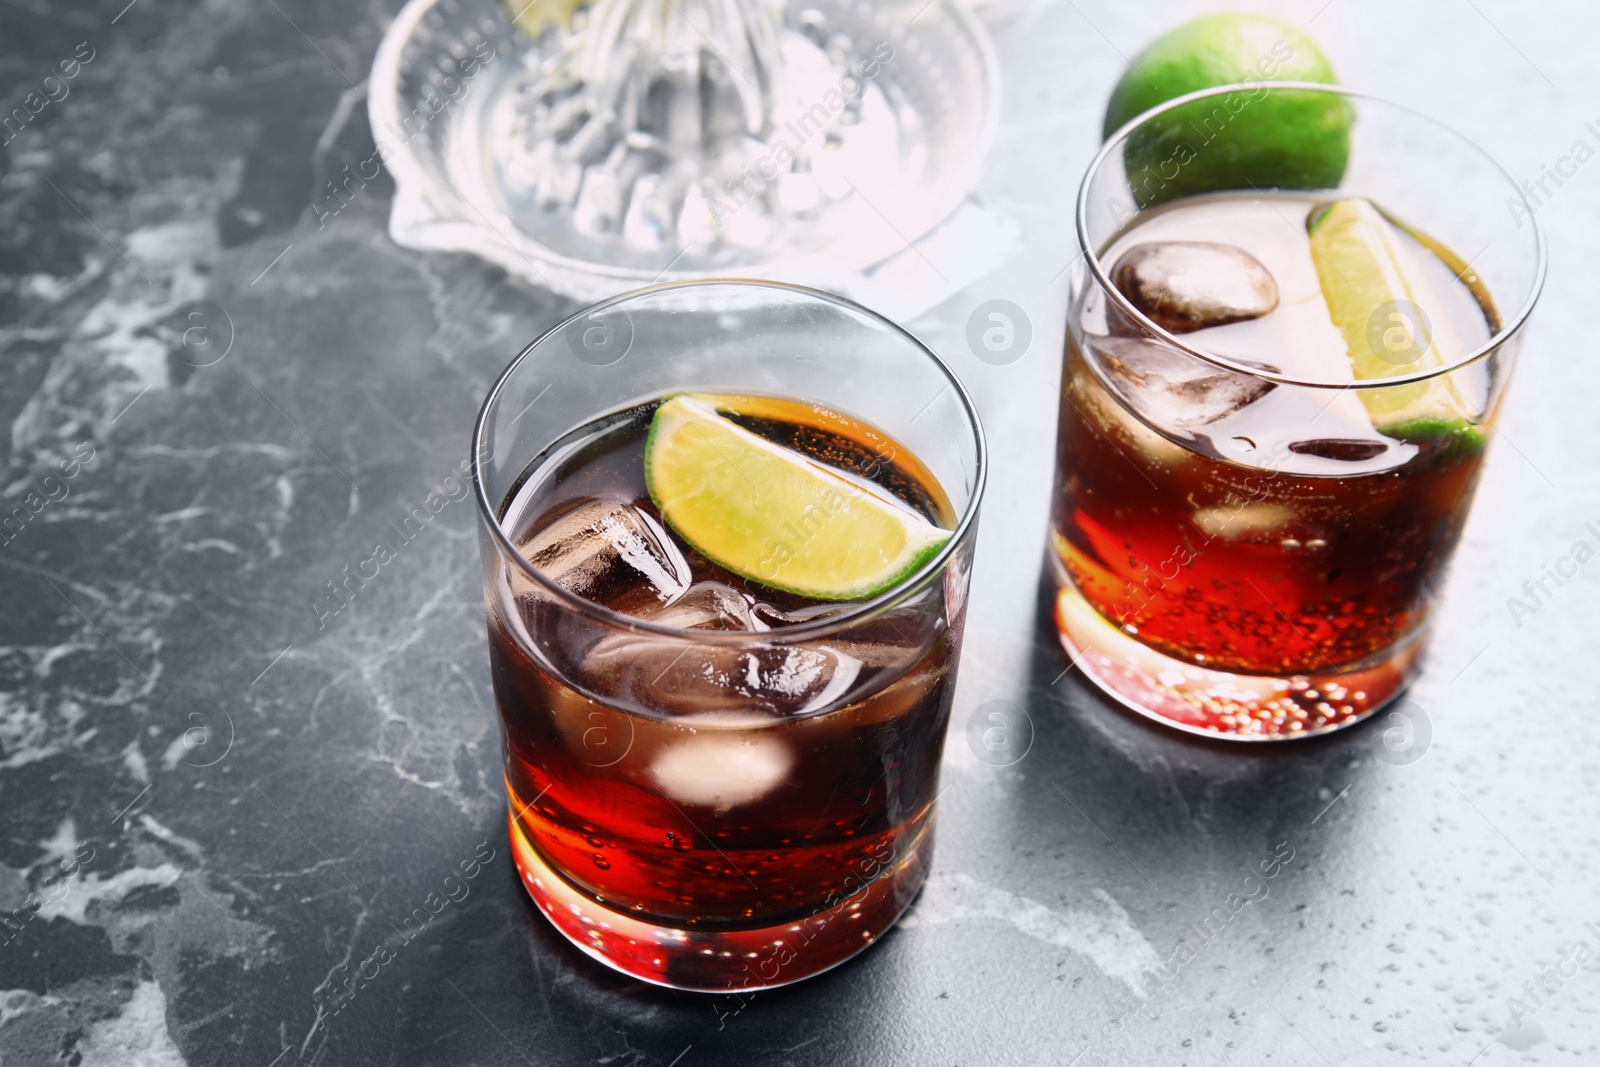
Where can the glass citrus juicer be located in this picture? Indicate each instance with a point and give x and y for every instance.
(596, 147)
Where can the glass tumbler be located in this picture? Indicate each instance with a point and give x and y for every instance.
(663, 816)
(1250, 527)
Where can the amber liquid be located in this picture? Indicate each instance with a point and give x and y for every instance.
(708, 785)
(1238, 568)
(1285, 536)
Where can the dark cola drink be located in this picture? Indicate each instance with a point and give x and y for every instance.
(1240, 555)
(714, 784)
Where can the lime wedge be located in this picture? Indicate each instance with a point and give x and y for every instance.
(1374, 293)
(769, 514)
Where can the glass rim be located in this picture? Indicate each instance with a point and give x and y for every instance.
(879, 604)
(1509, 326)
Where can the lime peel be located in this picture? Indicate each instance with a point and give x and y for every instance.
(1362, 266)
(1256, 136)
(774, 516)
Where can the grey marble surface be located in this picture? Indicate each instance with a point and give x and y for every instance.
(222, 806)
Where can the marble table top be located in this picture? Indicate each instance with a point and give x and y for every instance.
(222, 799)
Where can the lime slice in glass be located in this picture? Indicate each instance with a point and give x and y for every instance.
(1377, 299)
(770, 514)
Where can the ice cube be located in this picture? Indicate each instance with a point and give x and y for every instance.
(686, 677)
(765, 615)
(1172, 389)
(898, 697)
(602, 538)
(731, 755)
(1245, 521)
(1183, 286)
(720, 771)
(595, 733)
(707, 606)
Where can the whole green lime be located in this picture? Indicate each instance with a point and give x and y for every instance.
(1256, 136)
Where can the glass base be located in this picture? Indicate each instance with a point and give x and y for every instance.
(725, 961)
(1234, 707)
